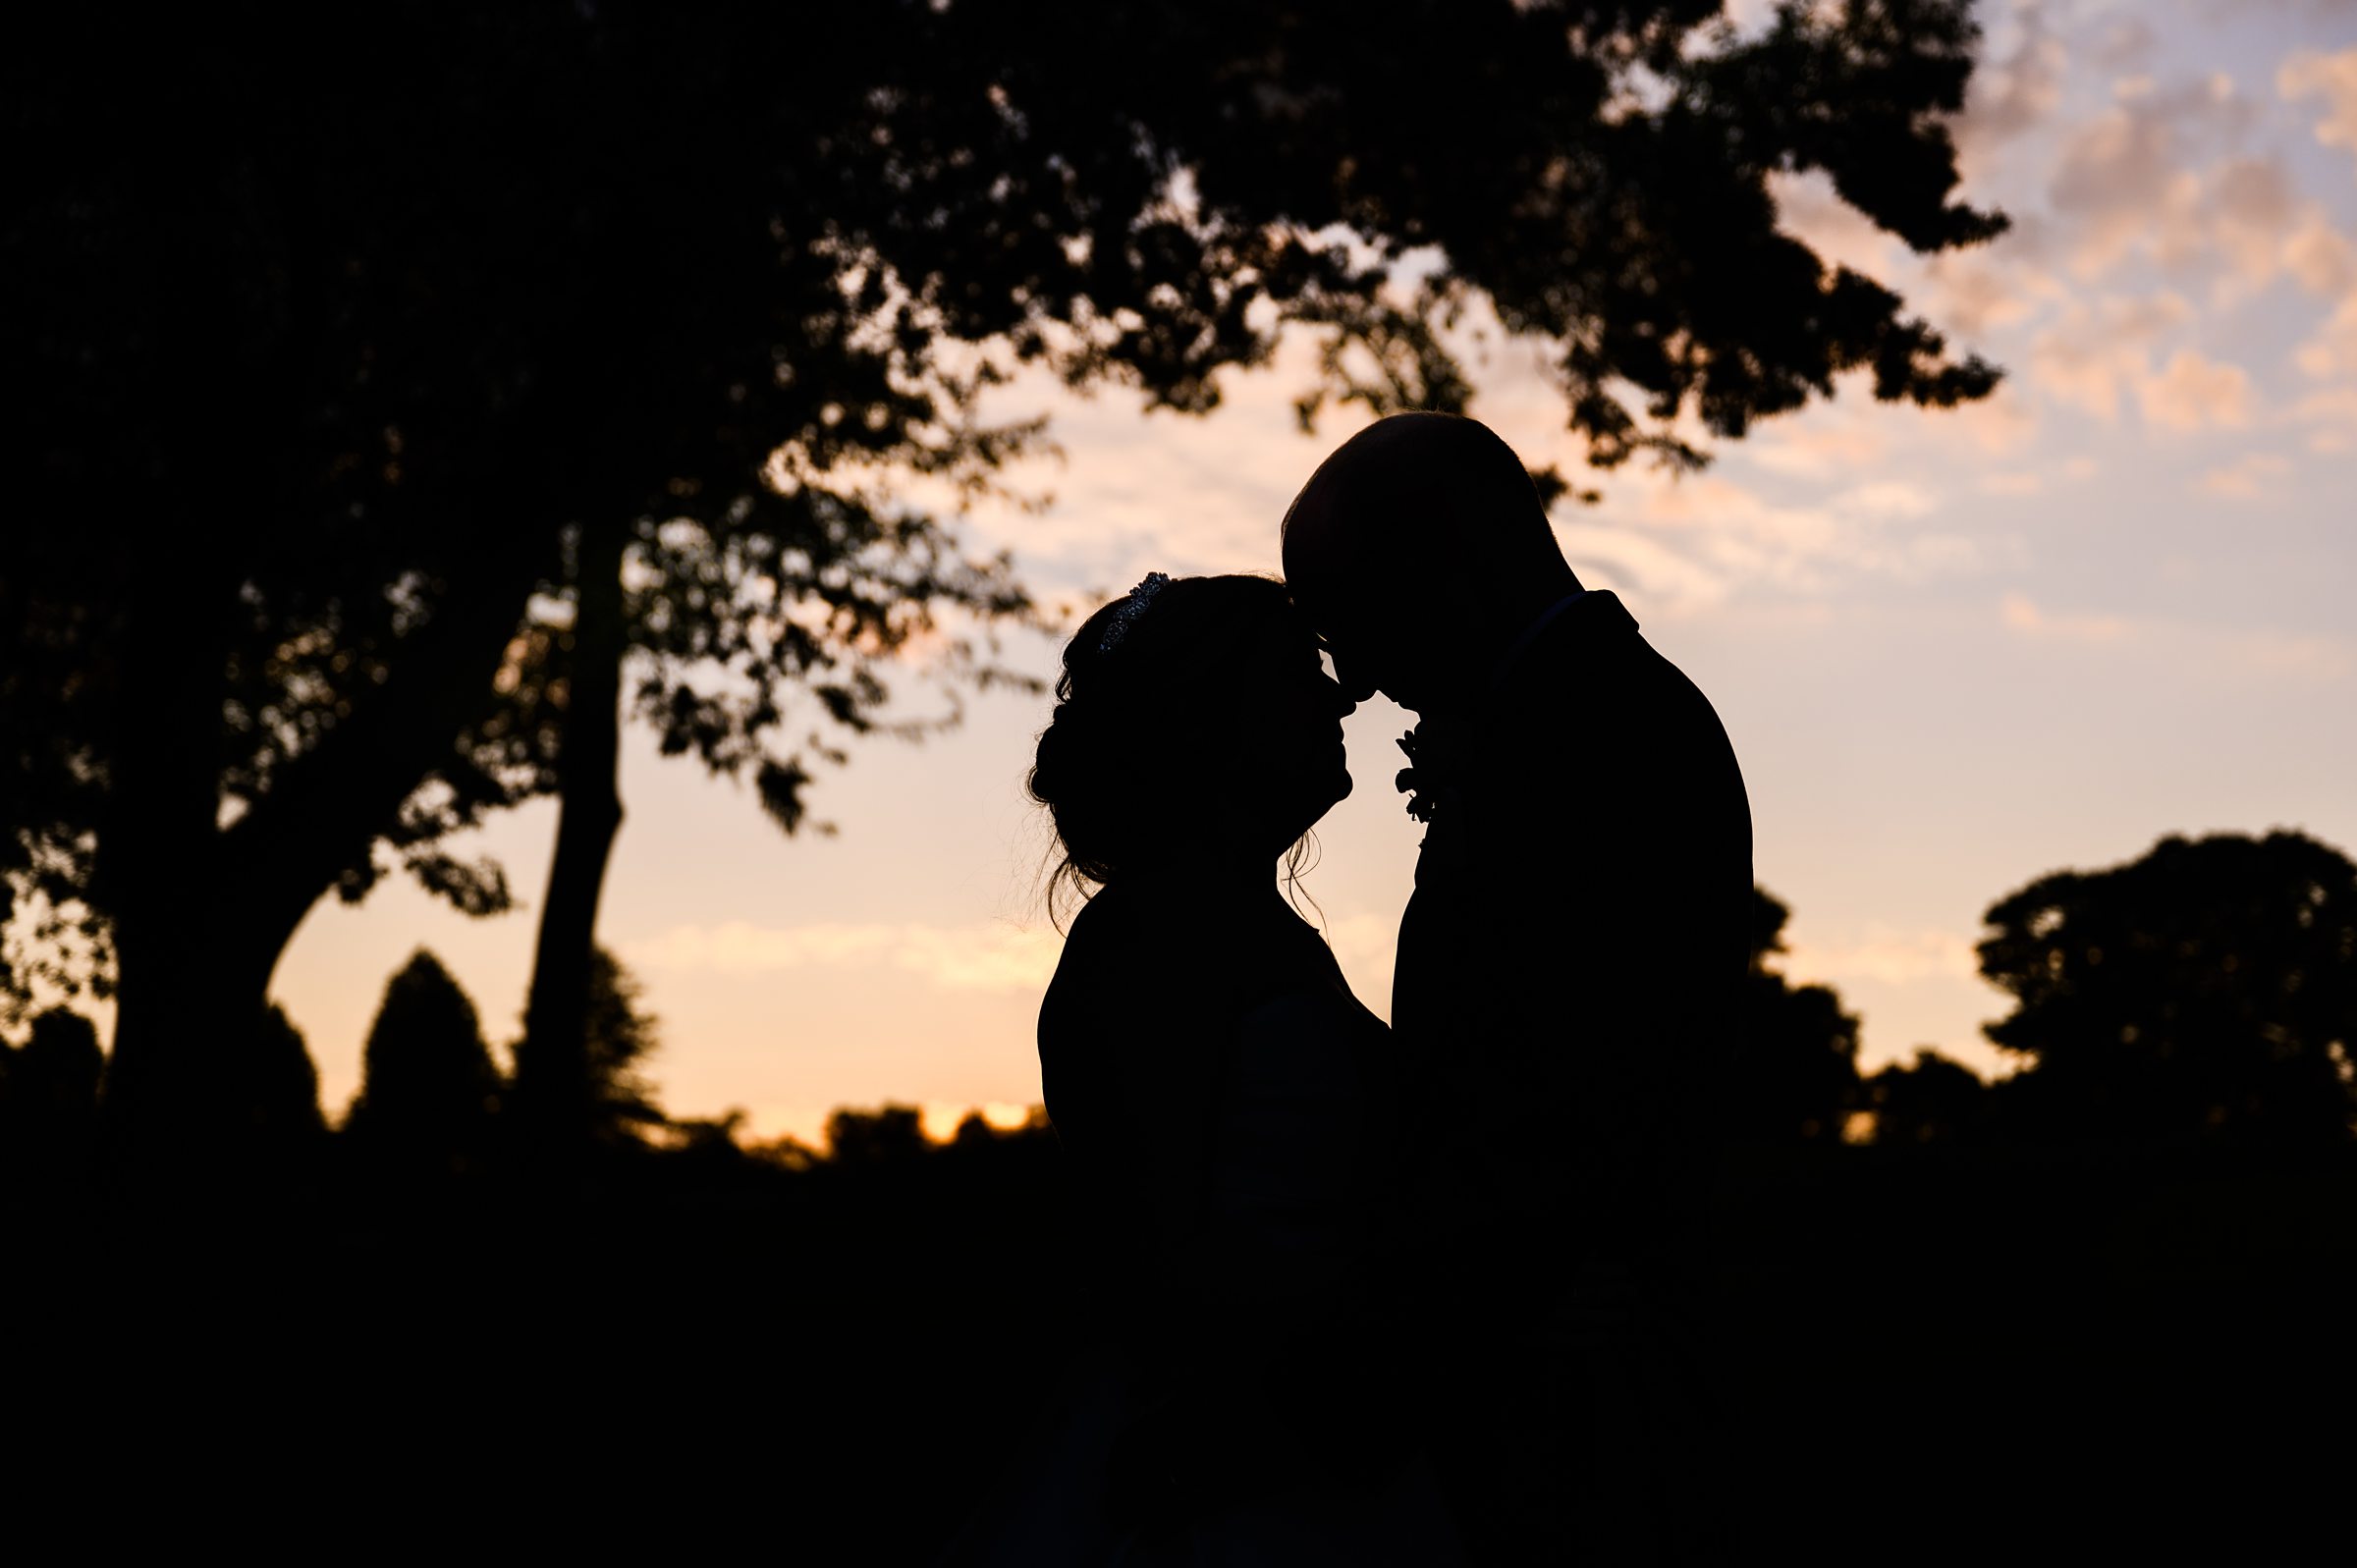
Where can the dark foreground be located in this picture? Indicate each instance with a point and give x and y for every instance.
(2046, 1355)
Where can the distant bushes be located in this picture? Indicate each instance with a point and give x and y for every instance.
(49, 1106)
(429, 1090)
(2203, 995)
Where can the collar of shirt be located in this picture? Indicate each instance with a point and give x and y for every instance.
(1531, 633)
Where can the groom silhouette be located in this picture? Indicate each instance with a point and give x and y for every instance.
(1567, 977)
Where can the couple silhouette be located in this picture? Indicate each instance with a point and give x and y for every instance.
(1418, 1294)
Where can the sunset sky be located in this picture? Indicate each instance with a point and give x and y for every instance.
(1954, 650)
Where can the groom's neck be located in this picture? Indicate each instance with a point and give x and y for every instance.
(1494, 620)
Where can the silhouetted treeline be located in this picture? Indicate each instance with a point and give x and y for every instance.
(2203, 995)
(2118, 1269)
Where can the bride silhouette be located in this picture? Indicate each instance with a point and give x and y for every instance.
(1231, 1116)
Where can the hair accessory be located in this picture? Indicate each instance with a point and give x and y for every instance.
(1132, 607)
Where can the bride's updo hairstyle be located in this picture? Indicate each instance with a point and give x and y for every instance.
(1129, 759)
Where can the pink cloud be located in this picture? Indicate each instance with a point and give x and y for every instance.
(2193, 390)
(2251, 477)
(2309, 73)
(2020, 615)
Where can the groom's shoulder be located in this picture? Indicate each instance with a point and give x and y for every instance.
(1591, 631)
(1600, 689)
(1595, 656)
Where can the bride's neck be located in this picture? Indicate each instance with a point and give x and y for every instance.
(1201, 871)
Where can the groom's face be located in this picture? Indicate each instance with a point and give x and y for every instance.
(1366, 610)
(1354, 633)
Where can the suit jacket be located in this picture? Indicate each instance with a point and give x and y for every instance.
(1569, 971)
(1572, 961)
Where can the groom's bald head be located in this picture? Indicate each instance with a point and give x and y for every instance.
(1437, 486)
(1412, 540)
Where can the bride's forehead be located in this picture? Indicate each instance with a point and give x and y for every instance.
(1279, 655)
(1255, 641)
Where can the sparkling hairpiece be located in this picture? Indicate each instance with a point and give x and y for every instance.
(1132, 607)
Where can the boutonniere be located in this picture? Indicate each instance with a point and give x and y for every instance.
(1426, 781)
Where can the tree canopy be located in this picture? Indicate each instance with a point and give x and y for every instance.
(1930, 1100)
(368, 340)
(429, 1086)
(2204, 993)
(1795, 1076)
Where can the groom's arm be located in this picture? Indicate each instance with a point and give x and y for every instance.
(1617, 985)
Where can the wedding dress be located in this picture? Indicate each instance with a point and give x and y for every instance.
(1232, 1123)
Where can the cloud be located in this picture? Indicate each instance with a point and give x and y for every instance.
(2025, 617)
(2251, 477)
(1892, 956)
(1625, 560)
(2192, 391)
(2013, 95)
(2094, 353)
(1815, 446)
(1701, 539)
(2334, 416)
(2263, 653)
(2244, 207)
(2124, 42)
(2124, 177)
(1853, 435)
(1886, 499)
(2308, 74)
(2132, 182)
(2332, 350)
(2018, 484)
(1809, 209)
(2245, 218)
(1135, 491)
(2321, 256)
(1975, 292)
(979, 958)
(1997, 424)
(2285, 655)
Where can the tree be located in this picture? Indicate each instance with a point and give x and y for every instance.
(278, 1085)
(620, 1038)
(889, 1135)
(1796, 1073)
(1932, 1099)
(49, 1106)
(436, 323)
(429, 1090)
(2205, 993)
(407, 354)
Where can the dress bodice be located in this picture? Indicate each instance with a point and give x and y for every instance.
(1226, 1103)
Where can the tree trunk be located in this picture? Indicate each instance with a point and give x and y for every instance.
(553, 1089)
(163, 874)
(201, 914)
(198, 1087)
